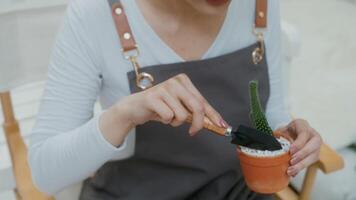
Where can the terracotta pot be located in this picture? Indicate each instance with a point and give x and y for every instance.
(265, 175)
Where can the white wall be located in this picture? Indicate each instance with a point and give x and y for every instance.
(323, 76)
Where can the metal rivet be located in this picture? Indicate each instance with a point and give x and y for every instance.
(261, 14)
(118, 11)
(127, 36)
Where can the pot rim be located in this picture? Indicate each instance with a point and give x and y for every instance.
(263, 161)
(267, 161)
(277, 135)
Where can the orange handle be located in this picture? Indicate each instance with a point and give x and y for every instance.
(209, 126)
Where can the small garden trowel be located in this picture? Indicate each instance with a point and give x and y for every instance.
(244, 136)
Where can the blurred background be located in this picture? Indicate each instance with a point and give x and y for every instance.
(319, 47)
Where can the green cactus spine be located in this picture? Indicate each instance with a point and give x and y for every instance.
(257, 114)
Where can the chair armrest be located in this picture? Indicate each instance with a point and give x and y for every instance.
(329, 160)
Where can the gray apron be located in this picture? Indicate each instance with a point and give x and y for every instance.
(168, 164)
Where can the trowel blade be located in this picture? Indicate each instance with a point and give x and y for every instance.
(254, 139)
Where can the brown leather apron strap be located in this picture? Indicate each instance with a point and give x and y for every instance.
(128, 43)
(260, 23)
(127, 39)
(261, 13)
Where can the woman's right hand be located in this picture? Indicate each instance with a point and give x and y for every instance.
(169, 102)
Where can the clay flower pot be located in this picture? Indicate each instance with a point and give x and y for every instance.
(265, 175)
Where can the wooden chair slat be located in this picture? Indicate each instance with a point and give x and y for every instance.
(25, 190)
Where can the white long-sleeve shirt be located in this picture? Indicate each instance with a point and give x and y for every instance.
(86, 64)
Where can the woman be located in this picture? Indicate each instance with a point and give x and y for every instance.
(198, 56)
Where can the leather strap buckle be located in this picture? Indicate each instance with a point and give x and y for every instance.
(258, 53)
(259, 26)
(143, 80)
(135, 52)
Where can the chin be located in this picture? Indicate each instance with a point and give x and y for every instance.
(209, 7)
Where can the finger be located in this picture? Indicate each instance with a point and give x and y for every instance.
(210, 112)
(303, 135)
(309, 160)
(311, 146)
(297, 126)
(180, 112)
(163, 113)
(300, 124)
(198, 113)
(299, 143)
(193, 104)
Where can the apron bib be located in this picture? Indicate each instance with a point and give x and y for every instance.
(168, 164)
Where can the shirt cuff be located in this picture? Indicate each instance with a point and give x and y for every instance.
(102, 142)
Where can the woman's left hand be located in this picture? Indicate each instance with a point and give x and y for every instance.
(306, 146)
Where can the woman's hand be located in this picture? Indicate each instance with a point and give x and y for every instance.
(169, 102)
(306, 147)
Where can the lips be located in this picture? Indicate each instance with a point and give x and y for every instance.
(217, 2)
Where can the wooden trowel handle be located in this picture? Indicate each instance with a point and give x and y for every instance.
(209, 125)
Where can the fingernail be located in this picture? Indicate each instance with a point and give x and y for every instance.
(223, 123)
(292, 162)
(292, 150)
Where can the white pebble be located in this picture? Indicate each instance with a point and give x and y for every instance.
(259, 153)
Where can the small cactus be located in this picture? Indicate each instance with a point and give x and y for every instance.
(257, 114)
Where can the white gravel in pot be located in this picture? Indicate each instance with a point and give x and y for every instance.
(260, 153)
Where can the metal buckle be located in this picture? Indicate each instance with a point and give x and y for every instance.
(143, 80)
(131, 53)
(258, 53)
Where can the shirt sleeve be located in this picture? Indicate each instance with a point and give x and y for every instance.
(67, 145)
(276, 111)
